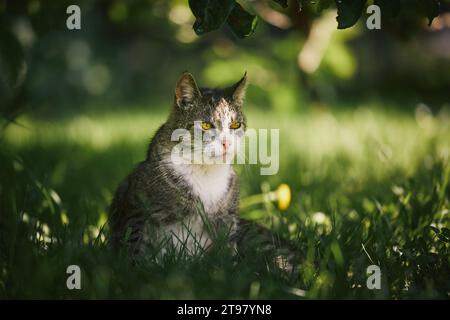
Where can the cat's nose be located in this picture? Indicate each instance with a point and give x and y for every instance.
(225, 144)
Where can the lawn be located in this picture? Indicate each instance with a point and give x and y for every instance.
(369, 186)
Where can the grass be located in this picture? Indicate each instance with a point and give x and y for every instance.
(369, 186)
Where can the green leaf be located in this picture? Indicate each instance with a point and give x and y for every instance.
(349, 12)
(390, 8)
(210, 14)
(241, 22)
(283, 3)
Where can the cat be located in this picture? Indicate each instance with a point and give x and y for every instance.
(170, 202)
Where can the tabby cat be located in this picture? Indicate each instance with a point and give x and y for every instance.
(166, 201)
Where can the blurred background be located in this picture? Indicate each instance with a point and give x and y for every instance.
(364, 129)
(132, 52)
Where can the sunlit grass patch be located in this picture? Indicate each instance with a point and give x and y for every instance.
(98, 131)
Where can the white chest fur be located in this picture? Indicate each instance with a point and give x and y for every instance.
(209, 182)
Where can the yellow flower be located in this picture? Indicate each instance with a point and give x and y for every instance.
(283, 194)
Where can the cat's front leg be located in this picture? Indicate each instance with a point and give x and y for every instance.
(251, 237)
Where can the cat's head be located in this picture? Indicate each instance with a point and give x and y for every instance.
(215, 113)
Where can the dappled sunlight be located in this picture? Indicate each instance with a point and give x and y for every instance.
(99, 132)
(376, 143)
(372, 139)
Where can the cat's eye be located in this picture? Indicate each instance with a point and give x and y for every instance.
(235, 125)
(206, 125)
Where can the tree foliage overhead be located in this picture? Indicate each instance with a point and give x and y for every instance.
(21, 62)
(212, 14)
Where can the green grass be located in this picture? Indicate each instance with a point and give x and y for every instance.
(369, 186)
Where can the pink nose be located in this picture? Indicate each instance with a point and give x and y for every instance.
(225, 144)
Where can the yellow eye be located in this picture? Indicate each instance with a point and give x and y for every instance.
(235, 125)
(206, 125)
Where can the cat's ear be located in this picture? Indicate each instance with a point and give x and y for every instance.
(237, 91)
(186, 90)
